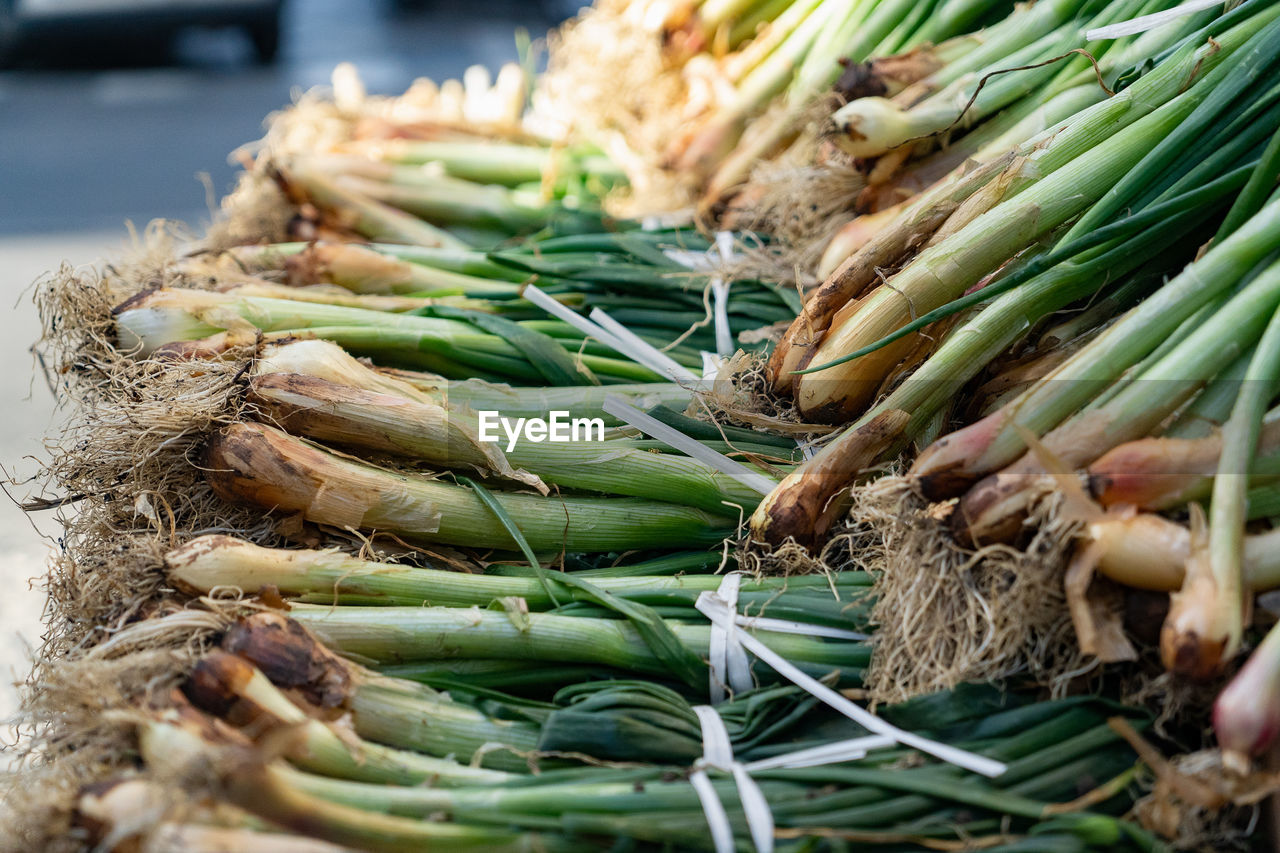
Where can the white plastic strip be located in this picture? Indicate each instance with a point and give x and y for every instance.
(786, 626)
(717, 749)
(718, 647)
(720, 315)
(717, 752)
(651, 354)
(711, 364)
(700, 261)
(1149, 22)
(756, 808)
(532, 294)
(710, 605)
(624, 411)
(828, 753)
(717, 820)
(737, 661)
(631, 346)
(720, 297)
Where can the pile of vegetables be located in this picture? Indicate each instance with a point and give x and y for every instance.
(511, 472)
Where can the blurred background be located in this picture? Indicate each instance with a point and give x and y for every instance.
(114, 112)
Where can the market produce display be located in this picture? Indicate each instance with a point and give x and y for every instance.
(779, 424)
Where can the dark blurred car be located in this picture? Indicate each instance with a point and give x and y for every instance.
(25, 23)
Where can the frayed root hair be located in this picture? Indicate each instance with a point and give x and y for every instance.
(947, 614)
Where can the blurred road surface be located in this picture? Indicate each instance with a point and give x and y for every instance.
(87, 148)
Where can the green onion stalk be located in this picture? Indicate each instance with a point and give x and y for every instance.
(1148, 236)
(1148, 551)
(1246, 719)
(625, 274)
(943, 465)
(632, 277)
(1206, 620)
(1167, 472)
(455, 348)
(414, 715)
(1237, 261)
(172, 747)
(443, 200)
(994, 442)
(256, 465)
(754, 22)
(616, 720)
(405, 730)
(315, 390)
(506, 164)
(1002, 133)
(972, 191)
(536, 401)
(367, 216)
(802, 69)
(869, 127)
(1210, 409)
(721, 129)
(380, 268)
(1070, 147)
(396, 634)
(742, 62)
(1074, 84)
(331, 577)
(994, 507)
(241, 692)
(838, 385)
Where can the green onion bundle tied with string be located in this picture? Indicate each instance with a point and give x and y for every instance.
(361, 788)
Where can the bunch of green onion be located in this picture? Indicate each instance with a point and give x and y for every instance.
(366, 788)
(441, 626)
(1018, 78)
(452, 195)
(800, 64)
(1196, 166)
(640, 278)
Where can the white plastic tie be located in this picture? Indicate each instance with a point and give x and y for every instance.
(711, 364)
(627, 344)
(720, 253)
(651, 426)
(787, 626)
(730, 667)
(720, 297)
(717, 752)
(715, 609)
(699, 261)
(717, 749)
(651, 354)
(828, 753)
(730, 670)
(532, 294)
(1144, 23)
(713, 809)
